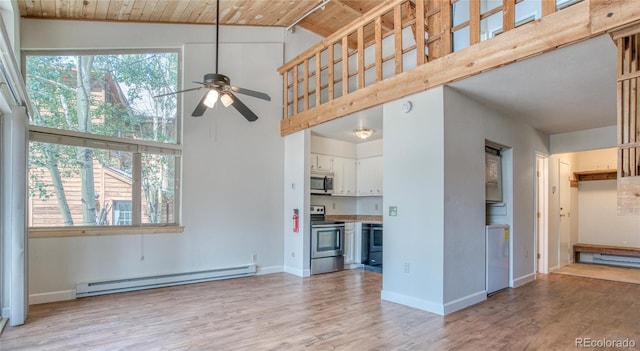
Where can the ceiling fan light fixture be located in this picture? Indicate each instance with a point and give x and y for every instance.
(226, 100)
(363, 133)
(212, 97)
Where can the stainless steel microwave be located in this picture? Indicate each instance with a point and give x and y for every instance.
(321, 183)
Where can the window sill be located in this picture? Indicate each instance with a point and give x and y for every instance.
(59, 232)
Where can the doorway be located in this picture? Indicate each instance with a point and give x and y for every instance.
(564, 214)
(541, 214)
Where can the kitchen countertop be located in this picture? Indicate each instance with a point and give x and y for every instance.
(355, 218)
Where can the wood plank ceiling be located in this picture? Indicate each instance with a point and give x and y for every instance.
(279, 13)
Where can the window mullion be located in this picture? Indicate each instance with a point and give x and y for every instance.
(136, 196)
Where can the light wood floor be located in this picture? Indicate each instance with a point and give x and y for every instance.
(601, 271)
(338, 311)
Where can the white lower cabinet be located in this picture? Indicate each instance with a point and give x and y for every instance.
(352, 244)
(349, 242)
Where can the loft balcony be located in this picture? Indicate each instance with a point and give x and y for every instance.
(403, 47)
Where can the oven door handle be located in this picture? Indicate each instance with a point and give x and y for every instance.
(327, 225)
(324, 184)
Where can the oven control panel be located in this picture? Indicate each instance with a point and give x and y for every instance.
(316, 210)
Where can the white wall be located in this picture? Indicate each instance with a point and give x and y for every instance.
(233, 171)
(413, 181)
(296, 187)
(582, 140)
(468, 124)
(333, 147)
(599, 222)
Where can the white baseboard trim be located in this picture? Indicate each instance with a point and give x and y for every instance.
(523, 280)
(353, 265)
(465, 301)
(297, 271)
(411, 301)
(554, 269)
(269, 270)
(53, 296)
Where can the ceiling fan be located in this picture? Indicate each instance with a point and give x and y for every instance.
(219, 88)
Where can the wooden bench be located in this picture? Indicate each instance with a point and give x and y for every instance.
(604, 249)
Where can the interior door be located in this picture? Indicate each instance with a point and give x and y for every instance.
(564, 213)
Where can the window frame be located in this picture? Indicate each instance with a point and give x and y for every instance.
(136, 147)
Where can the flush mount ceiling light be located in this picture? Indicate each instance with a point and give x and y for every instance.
(363, 133)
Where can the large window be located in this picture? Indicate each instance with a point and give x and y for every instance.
(104, 150)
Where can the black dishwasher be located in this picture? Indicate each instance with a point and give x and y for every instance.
(372, 244)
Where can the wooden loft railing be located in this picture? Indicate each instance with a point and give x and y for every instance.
(386, 54)
(628, 43)
(628, 105)
(354, 57)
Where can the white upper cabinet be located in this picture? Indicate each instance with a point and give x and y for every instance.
(344, 171)
(356, 168)
(321, 163)
(369, 175)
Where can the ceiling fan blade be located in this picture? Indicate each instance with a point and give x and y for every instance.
(178, 92)
(249, 92)
(242, 108)
(199, 111)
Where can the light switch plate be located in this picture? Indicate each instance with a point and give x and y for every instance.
(393, 210)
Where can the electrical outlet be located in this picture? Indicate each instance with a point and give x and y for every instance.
(407, 267)
(334, 205)
(376, 207)
(393, 210)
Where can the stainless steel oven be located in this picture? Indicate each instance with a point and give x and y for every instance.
(327, 243)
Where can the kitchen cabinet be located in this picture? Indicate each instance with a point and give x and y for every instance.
(369, 176)
(353, 244)
(321, 163)
(344, 172)
(349, 243)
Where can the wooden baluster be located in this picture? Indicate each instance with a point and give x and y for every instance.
(285, 94)
(318, 80)
(509, 15)
(419, 33)
(360, 57)
(295, 90)
(548, 7)
(397, 33)
(378, 38)
(446, 22)
(305, 85)
(345, 65)
(474, 22)
(331, 73)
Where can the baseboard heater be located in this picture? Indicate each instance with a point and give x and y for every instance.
(131, 284)
(617, 260)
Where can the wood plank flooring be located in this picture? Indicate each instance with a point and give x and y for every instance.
(337, 311)
(601, 271)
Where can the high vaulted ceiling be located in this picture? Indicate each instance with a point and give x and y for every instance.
(333, 15)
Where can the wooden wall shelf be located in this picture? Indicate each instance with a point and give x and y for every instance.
(598, 174)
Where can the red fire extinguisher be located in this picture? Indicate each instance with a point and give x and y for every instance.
(295, 220)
